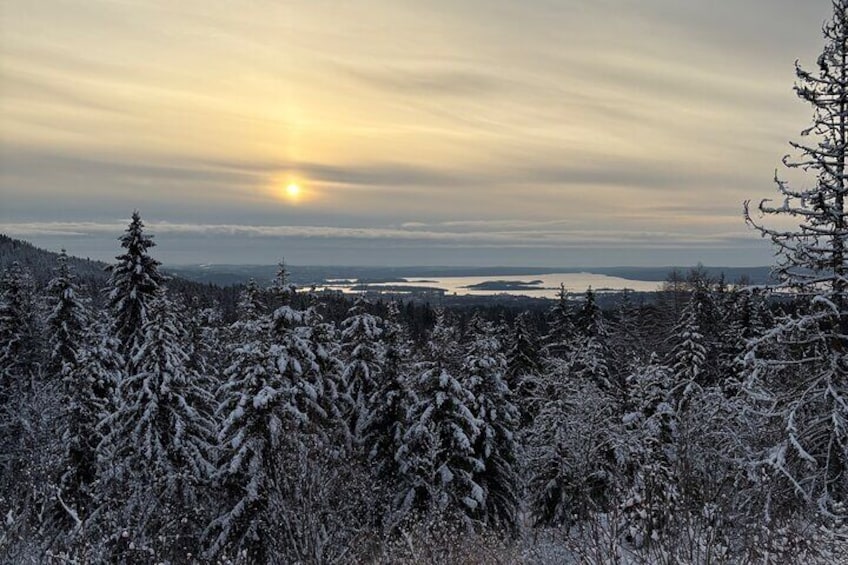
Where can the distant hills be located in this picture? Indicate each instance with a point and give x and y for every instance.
(41, 263)
(93, 274)
(311, 274)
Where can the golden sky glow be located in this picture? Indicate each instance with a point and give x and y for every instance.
(655, 117)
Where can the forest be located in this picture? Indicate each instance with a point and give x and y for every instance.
(145, 419)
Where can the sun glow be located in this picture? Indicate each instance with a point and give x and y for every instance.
(288, 190)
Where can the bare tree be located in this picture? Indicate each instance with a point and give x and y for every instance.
(799, 370)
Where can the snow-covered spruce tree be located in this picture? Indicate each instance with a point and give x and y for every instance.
(254, 415)
(87, 398)
(81, 408)
(648, 455)
(282, 291)
(101, 362)
(27, 410)
(324, 497)
(19, 366)
(589, 319)
(569, 450)
(391, 401)
(274, 439)
(688, 354)
(361, 333)
(67, 322)
(335, 402)
(296, 358)
(590, 362)
(746, 317)
(523, 353)
(133, 283)
(249, 310)
(671, 299)
(708, 294)
(250, 305)
(561, 331)
(589, 359)
(798, 370)
(503, 329)
(156, 456)
(203, 331)
(19, 343)
(654, 324)
(437, 459)
(627, 343)
(483, 371)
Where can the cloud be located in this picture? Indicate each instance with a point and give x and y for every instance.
(34, 167)
(25, 162)
(426, 82)
(477, 123)
(27, 86)
(521, 235)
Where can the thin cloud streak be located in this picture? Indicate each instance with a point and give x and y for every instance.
(512, 238)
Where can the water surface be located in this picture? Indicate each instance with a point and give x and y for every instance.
(548, 287)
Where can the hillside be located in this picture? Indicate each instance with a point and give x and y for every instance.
(93, 275)
(41, 262)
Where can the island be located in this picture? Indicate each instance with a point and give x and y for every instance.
(506, 285)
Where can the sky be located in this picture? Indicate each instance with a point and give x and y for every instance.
(398, 132)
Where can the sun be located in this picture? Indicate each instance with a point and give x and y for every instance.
(289, 189)
(293, 190)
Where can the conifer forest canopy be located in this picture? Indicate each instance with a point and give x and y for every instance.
(145, 418)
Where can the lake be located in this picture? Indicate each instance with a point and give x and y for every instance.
(547, 285)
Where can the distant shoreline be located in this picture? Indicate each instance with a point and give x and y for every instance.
(319, 274)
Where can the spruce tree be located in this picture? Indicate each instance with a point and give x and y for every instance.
(391, 401)
(254, 414)
(523, 355)
(648, 455)
(360, 345)
(561, 331)
(589, 362)
(19, 340)
(133, 284)
(281, 292)
(88, 397)
(437, 458)
(483, 371)
(19, 368)
(27, 407)
(250, 305)
(589, 359)
(335, 402)
(689, 353)
(746, 317)
(277, 414)
(102, 365)
(569, 472)
(67, 322)
(297, 357)
(590, 320)
(627, 343)
(157, 454)
(81, 408)
(708, 294)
